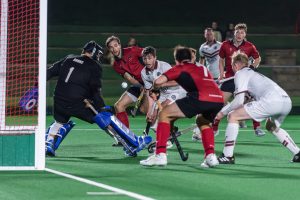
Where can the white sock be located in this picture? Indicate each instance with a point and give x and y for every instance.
(53, 130)
(285, 139)
(231, 133)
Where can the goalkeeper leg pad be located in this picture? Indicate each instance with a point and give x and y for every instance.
(62, 133)
(105, 119)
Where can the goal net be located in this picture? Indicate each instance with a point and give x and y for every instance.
(23, 33)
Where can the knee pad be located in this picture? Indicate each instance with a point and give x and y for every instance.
(270, 125)
(62, 133)
(103, 119)
(201, 121)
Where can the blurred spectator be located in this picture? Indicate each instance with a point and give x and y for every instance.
(217, 31)
(132, 42)
(229, 33)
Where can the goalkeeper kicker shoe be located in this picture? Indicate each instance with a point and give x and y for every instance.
(296, 157)
(226, 160)
(210, 161)
(155, 160)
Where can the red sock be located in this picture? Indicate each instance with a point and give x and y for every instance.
(255, 124)
(162, 135)
(208, 141)
(123, 117)
(215, 125)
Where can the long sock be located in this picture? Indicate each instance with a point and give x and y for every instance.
(162, 135)
(255, 124)
(285, 139)
(215, 125)
(231, 133)
(208, 141)
(123, 117)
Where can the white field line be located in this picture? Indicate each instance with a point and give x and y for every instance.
(102, 193)
(100, 185)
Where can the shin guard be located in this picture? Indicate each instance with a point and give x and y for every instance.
(62, 133)
(106, 120)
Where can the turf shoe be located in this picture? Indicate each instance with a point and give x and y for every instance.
(296, 157)
(210, 160)
(226, 160)
(259, 132)
(242, 124)
(155, 160)
(196, 137)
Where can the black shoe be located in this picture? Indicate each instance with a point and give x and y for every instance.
(296, 157)
(119, 144)
(226, 160)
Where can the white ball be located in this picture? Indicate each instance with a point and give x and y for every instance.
(124, 85)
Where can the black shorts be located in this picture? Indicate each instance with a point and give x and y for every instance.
(228, 86)
(134, 90)
(191, 107)
(63, 111)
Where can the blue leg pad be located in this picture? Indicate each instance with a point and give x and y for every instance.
(62, 133)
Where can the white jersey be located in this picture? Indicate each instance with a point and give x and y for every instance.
(270, 100)
(174, 92)
(256, 84)
(211, 55)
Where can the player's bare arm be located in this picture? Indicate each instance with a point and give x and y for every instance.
(160, 81)
(130, 79)
(237, 102)
(202, 60)
(256, 62)
(221, 68)
(169, 84)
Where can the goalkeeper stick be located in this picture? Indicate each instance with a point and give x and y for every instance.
(110, 131)
(137, 104)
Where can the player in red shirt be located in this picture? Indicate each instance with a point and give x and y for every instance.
(128, 63)
(238, 44)
(203, 99)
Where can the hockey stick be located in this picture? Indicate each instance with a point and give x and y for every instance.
(110, 131)
(183, 156)
(137, 104)
(224, 80)
(146, 131)
(151, 147)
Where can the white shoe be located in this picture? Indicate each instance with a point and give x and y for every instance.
(196, 137)
(169, 144)
(259, 132)
(211, 160)
(156, 159)
(242, 124)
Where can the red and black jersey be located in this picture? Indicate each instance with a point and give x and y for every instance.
(131, 62)
(228, 48)
(197, 81)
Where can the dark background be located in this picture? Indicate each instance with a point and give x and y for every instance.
(279, 13)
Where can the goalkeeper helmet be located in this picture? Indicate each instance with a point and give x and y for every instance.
(94, 49)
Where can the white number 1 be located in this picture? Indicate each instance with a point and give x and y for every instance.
(69, 74)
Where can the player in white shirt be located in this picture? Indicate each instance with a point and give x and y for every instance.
(269, 102)
(170, 92)
(209, 53)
